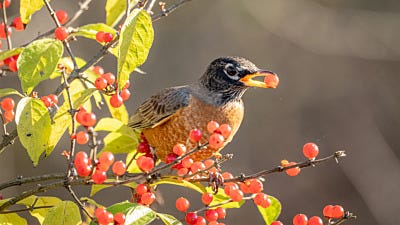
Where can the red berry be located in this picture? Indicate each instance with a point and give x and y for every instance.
(221, 212)
(179, 149)
(127, 84)
(100, 36)
(145, 163)
(328, 211)
(62, 16)
(216, 141)
(2, 31)
(337, 212)
(108, 218)
(236, 195)
(143, 147)
(141, 189)
(187, 162)
(119, 218)
(6, 2)
(310, 150)
(116, 101)
(255, 186)
(9, 115)
(191, 218)
(61, 33)
(88, 119)
(119, 168)
(105, 160)
(46, 100)
(100, 83)
(200, 221)
(300, 219)
(82, 137)
(17, 24)
(98, 70)
(197, 166)
(101, 215)
(315, 220)
(125, 94)
(212, 126)
(84, 170)
(99, 176)
(54, 99)
(277, 223)
(170, 157)
(225, 130)
(227, 175)
(79, 115)
(147, 198)
(13, 66)
(262, 200)
(292, 171)
(211, 215)
(108, 37)
(7, 104)
(182, 204)
(271, 81)
(207, 198)
(195, 135)
(110, 78)
(229, 187)
(182, 171)
(81, 155)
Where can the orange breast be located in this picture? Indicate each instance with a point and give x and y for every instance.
(176, 129)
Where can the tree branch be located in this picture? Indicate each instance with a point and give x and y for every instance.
(22, 180)
(169, 10)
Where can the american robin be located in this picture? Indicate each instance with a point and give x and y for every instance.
(167, 117)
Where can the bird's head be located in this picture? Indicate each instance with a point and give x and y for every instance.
(233, 75)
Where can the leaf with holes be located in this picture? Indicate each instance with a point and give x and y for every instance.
(37, 62)
(134, 45)
(33, 126)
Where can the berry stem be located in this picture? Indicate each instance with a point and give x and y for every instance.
(4, 14)
(347, 216)
(168, 10)
(3, 121)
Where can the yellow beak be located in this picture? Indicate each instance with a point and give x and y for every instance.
(248, 79)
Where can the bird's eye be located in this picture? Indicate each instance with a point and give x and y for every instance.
(231, 71)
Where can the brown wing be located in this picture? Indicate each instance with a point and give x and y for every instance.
(158, 108)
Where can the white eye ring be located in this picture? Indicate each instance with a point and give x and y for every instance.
(231, 71)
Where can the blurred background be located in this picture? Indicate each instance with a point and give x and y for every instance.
(338, 63)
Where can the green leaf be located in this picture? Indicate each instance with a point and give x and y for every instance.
(139, 215)
(62, 119)
(108, 124)
(121, 207)
(98, 187)
(271, 213)
(115, 10)
(12, 219)
(29, 7)
(119, 113)
(33, 126)
(40, 214)
(15, 51)
(38, 61)
(123, 140)
(9, 91)
(64, 213)
(183, 183)
(135, 41)
(90, 30)
(169, 219)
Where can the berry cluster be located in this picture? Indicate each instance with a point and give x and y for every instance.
(310, 151)
(329, 212)
(104, 217)
(210, 215)
(84, 168)
(8, 105)
(106, 82)
(10, 62)
(87, 119)
(143, 195)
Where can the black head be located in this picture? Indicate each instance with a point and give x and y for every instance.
(232, 76)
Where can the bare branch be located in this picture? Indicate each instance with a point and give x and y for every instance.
(169, 10)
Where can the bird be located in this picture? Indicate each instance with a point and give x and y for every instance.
(167, 117)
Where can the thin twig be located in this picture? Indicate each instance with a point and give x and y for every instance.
(27, 209)
(169, 10)
(80, 204)
(347, 216)
(4, 124)
(26, 180)
(9, 43)
(150, 6)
